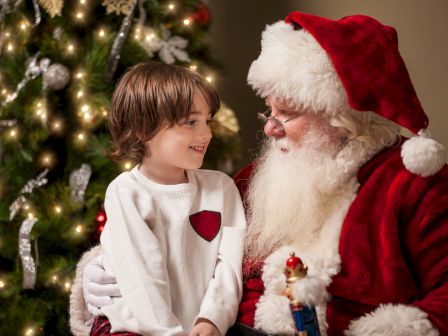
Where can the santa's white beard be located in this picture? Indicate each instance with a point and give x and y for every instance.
(292, 193)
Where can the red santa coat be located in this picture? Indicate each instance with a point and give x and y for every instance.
(393, 248)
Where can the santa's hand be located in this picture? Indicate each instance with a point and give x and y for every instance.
(99, 285)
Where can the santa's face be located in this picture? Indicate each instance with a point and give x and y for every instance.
(296, 123)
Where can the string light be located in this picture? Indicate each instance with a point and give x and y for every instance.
(87, 117)
(82, 2)
(79, 75)
(137, 33)
(187, 21)
(47, 159)
(54, 278)
(29, 332)
(7, 34)
(10, 47)
(127, 165)
(104, 112)
(70, 48)
(171, 6)
(13, 133)
(193, 67)
(81, 136)
(80, 15)
(85, 108)
(209, 79)
(57, 209)
(30, 215)
(149, 37)
(79, 94)
(67, 286)
(78, 228)
(23, 25)
(101, 33)
(2, 284)
(56, 126)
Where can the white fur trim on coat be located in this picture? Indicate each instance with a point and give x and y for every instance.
(422, 155)
(294, 66)
(80, 318)
(273, 316)
(392, 320)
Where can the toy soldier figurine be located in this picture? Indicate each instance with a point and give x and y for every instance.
(305, 319)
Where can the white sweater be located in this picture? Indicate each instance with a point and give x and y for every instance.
(168, 273)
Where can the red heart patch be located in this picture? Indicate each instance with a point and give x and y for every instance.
(206, 223)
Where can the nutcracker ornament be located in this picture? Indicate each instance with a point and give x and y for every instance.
(305, 318)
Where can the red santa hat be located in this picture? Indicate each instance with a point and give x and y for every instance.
(345, 65)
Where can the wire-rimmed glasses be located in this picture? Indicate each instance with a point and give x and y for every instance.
(266, 116)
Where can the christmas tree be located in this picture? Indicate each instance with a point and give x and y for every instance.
(58, 65)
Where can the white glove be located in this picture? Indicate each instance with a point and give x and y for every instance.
(99, 284)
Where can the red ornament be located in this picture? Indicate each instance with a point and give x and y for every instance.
(101, 219)
(202, 14)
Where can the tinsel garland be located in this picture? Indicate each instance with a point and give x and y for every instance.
(39, 181)
(123, 33)
(33, 69)
(28, 265)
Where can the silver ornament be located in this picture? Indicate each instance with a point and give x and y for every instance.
(28, 264)
(79, 180)
(56, 77)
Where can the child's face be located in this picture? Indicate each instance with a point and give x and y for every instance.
(182, 146)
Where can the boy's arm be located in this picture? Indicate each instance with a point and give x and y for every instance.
(221, 301)
(136, 258)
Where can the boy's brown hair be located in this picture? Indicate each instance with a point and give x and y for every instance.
(149, 96)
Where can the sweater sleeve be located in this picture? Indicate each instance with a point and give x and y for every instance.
(136, 257)
(220, 303)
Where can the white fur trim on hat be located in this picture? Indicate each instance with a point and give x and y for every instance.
(392, 320)
(293, 66)
(422, 155)
(80, 318)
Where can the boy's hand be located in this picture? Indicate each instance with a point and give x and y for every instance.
(204, 328)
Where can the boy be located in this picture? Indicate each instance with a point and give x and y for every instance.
(174, 233)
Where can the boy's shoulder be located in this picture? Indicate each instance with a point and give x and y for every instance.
(212, 176)
(126, 180)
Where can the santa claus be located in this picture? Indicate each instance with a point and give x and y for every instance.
(365, 209)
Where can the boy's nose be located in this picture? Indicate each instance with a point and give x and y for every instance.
(206, 133)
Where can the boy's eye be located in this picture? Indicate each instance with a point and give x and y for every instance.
(189, 122)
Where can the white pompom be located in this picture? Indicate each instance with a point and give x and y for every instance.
(422, 155)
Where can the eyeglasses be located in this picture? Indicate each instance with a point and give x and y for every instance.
(266, 116)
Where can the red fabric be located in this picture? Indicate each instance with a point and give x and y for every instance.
(393, 247)
(206, 223)
(101, 327)
(366, 58)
